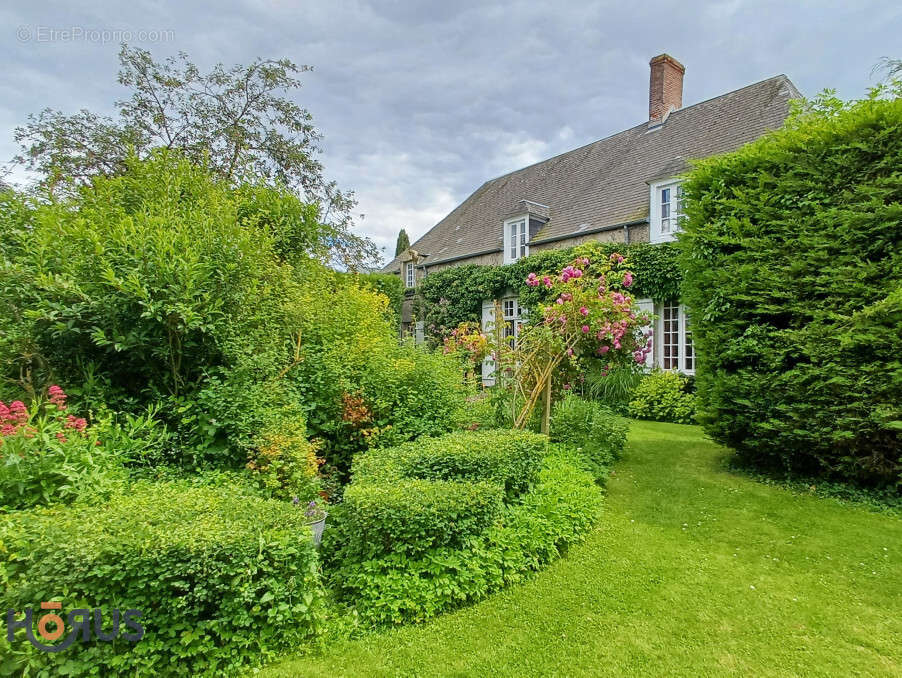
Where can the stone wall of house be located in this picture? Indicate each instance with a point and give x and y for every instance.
(637, 234)
(491, 259)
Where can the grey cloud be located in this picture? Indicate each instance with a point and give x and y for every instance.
(421, 102)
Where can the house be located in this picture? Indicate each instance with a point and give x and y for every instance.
(623, 188)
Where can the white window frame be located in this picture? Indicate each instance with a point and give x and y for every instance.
(683, 362)
(410, 275)
(656, 219)
(516, 245)
(512, 318)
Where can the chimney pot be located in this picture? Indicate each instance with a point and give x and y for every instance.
(665, 87)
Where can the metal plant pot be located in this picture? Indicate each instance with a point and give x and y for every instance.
(317, 528)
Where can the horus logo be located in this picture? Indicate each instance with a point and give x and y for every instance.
(51, 626)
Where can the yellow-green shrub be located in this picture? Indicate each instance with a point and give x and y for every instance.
(663, 396)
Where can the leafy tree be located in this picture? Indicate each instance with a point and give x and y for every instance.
(403, 242)
(892, 67)
(167, 287)
(239, 122)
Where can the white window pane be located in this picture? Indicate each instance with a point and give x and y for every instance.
(670, 340)
(689, 349)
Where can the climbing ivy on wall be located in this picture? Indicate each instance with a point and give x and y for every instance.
(455, 295)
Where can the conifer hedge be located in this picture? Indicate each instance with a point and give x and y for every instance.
(792, 262)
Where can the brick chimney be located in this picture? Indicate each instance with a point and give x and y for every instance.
(665, 87)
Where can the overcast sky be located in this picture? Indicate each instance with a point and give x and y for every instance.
(421, 102)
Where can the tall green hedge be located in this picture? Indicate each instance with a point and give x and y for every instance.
(792, 257)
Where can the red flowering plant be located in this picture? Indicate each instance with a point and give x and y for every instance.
(48, 454)
(469, 344)
(592, 315)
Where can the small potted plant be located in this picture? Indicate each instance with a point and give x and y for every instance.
(316, 519)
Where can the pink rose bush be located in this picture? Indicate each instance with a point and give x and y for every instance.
(591, 315)
(595, 315)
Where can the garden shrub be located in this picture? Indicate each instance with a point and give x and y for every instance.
(571, 419)
(49, 455)
(413, 515)
(613, 387)
(224, 580)
(389, 285)
(591, 428)
(511, 459)
(163, 288)
(479, 412)
(166, 270)
(142, 440)
(400, 586)
(663, 396)
(166, 288)
(793, 260)
(411, 392)
(284, 463)
(359, 388)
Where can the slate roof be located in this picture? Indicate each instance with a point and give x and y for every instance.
(605, 183)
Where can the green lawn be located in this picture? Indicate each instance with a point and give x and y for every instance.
(693, 571)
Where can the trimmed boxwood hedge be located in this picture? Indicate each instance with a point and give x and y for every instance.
(509, 458)
(399, 586)
(411, 516)
(224, 581)
(792, 257)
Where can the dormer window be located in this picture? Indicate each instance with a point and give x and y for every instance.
(409, 275)
(666, 210)
(516, 234)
